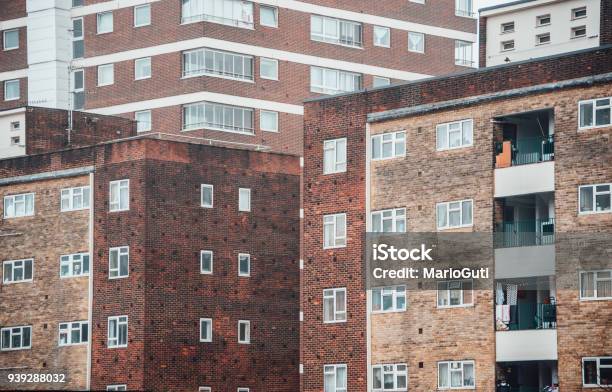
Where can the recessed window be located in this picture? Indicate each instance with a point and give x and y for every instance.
(16, 271)
(268, 121)
(335, 31)
(16, 206)
(15, 140)
(595, 112)
(464, 8)
(11, 90)
(389, 145)
(334, 305)
(205, 330)
(454, 214)
(117, 331)
(117, 387)
(143, 120)
(455, 293)
(334, 231)
(78, 89)
(217, 63)
(119, 195)
(456, 374)
(106, 74)
(244, 199)
(118, 262)
(105, 22)
(595, 199)
(389, 299)
(332, 81)
(218, 117)
(244, 264)
(76, 264)
(73, 199)
(243, 389)
(464, 53)
(204, 389)
(507, 45)
(597, 372)
(389, 221)
(16, 338)
(543, 39)
(207, 195)
(244, 332)
(416, 42)
(579, 32)
(334, 378)
(78, 45)
(206, 262)
(382, 36)
(334, 156)
(507, 27)
(379, 81)
(390, 377)
(452, 135)
(596, 284)
(268, 16)
(268, 68)
(15, 125)
(543, 20)
(10, 39)
(142, 68)
(142, 15)
(236, 13)
(76, 332)
(579, 13)
(77, 3)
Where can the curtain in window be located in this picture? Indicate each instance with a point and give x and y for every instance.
(443, 380)
(604, 284)
(587, 284)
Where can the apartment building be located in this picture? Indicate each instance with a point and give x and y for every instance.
(520, 30)
(519, 152)
(147, 262)
(233, 70)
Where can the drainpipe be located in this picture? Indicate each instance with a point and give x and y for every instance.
(90, 278)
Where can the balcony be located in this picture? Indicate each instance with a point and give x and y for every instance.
(526, 316)
(534, 232)
(526, 376)
(524, 151)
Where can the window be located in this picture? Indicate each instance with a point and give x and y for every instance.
(17, 206)
(206, 262)
(118, 387)
(455, 293)
(78, 46)
(106, 74)
(10, 39)
(204, 389)
(332, 81)
(379, 81)
(205, 330)
(543, 39)
(416, 42)
(218, 117)
(595, 199)
(15, 140)
(105, 22)
(119, 197)
(117, 331)
(334, 305)
(389, 221)
(244, 332)
(382, 36)
(15, 271)
(74, 265)
(334, 231)
(268, 16)
(579, 32)
(15, 125)
(454, 214)
(77, 3)
(389, 299)
(596, 284)
(217, 63)
(73, 199)
(456, 374)
(507, 46)
(243, 389)
(143, 120)
(335, 31)
(464, 8)
(11, 90)
(268, 68)
(142, 68)
(207, 195)
(389, 145)
(597, 372)
(16, 338)
(507, 27)
(244, 264)
(73, 333)
(244, 199)
(334, 156)
(463, 53)
(235, 13)
(543, 20)
(456, 134)
(268, 121)
(78, 89)
(334, 378)
(118, 262)
(579, 13)
(390, 377)
(595, 112)
(142, 15)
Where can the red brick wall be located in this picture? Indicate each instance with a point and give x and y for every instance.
(23, 96)
(14, 59)
(12, 9)
(605, 28)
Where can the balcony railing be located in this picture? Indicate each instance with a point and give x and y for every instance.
(524, 151)
(525, 233)
(526, 316)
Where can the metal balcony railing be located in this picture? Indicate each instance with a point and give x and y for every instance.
(524, 151)
(525, 233)
(527, 316)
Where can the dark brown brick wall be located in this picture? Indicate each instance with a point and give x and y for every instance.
(482, 42)
(605, 28)
(12, 9)
(23, 96)
(14, 59)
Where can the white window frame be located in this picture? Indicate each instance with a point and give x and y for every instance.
(4, 34)
(116, 387)
(138, 7)
(70, 260)
(448, 290)
(463, 363)
(506, 24)
(121, 251)
(387, 81)
(216, 126)
(247, 337)
(447, 204)
(574, 30)
(333, 369)
(394, 292)
(340, 76)
(67, 328)
(595, 297)
(119, 322)
(539, 38)
(99, 17)
(338, 241)
(70, 194)
(338, 315)
(212, 195)
(579, 9)
(390, 369)
(244, 199)
(380, 43)
(101, 69)
(462, 48)
(147, 125)
(594, 108)
(274, 10)
(422, 35)
(213, 70)
(204, 389)
(114, 203)
(464, 8)
(6, 84)
(268, 112)
(77, 38)
(335, 36)
(339, 165)
(271, 61)
(503, 45)
(20, 333)
(202, 253)
(539, 20)
(248, 257)
(21, 266)
(240, 389)
(599, 366)
(397, 141)
(593, 201)
(147, 61)
(396, 215)
(8, 214)
(209, 329)
(202, 8)
(448, 126)
(80, 91)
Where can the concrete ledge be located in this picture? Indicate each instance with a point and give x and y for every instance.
(47, 175)
(524, 261)
(525, 179)
(529, 345)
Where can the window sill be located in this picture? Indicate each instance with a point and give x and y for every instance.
(218, 130)
(11, 99)
(121, 210)
(9, 49)
(586, 213)
(17, 282)
(142, 25)
(118, 277)
(143, 78)
(334, 247)
(106, 84)
(269, 130)
(334, 322)
(251, 27)
(387, 311)
(217, 76)
(75, 209)
(455, 306)
(267, 78)
(584, 129)
(333, 172)
(103, 32)
(595, 299)
(17, 349)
